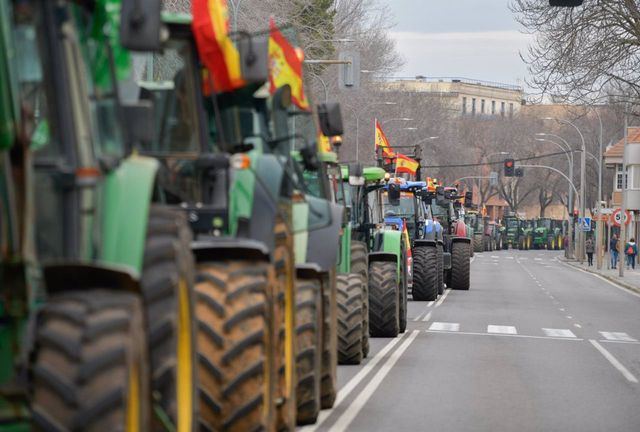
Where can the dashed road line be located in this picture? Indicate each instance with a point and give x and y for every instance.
(559, 333)
(614, 361)
(617, 336)
(444, 296)
(578, 325)
(444, 326)
(343, 422)
(500, 329)
(427, 317)
(504, 335)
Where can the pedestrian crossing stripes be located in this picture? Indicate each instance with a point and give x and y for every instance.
(561, 333)
(617, 336)
(501, 329)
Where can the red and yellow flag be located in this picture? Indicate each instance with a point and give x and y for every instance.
(285, 67)
(382, 142)
(404, 164)
(217, 51)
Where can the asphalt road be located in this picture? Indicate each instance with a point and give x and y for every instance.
(534, 346)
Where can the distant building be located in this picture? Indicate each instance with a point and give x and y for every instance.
(613, 160)
(466, 96)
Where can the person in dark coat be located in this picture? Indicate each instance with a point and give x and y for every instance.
(589, 248)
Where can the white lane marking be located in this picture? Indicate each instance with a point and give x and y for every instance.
(619, 342)
(343, 422)
(569, 317)
(501, 329)
(509, 257)
(614, 361)
(430, 304)
(617, 336)
(523, 258)
(418, 317)
(427, 317)
(443, 326)
(345, 391)
(495, 263)
(562, 333)
(538, 259)
(444, 296)
(562, 309)
(578, 325)
(504, 335)
(495, 256)
(613, 284)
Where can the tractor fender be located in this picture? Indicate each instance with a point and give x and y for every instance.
(323, 244)
(63, 276)
(269, 175)
(309, 271)
(382, 256)
(459, 229)
(127, 198)
(229, 248)
(430, 230)
(425, 242)
(460, 240)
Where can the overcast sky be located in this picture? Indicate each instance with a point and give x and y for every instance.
(466, 38)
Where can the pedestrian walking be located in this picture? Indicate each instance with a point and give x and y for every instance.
(590, 249)
(631, 250)
(613, 251)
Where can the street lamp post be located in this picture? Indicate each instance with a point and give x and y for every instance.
(583, 163)
(357, 115)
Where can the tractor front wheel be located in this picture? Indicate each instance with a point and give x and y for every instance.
(425, 273)
(384, 299)
(91, 370)
(460, 266)
(350, 300)
(360, 265)
(440, 268)
(329, 379)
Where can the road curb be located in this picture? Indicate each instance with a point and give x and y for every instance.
(609, 278)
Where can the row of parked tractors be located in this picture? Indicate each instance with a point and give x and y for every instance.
(176, 259)
(513, 232)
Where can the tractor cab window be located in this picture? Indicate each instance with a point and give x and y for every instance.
(405, 208)
(336, 186)
(374, 207)
(169, 80)
(35, 123)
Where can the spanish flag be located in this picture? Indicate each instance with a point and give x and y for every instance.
(217, 51)
(382, 142)
(405, 164)
(285, 67)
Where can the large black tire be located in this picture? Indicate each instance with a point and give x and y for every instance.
(478, 245)
(168, 291)
(460, 266)
(425, 273)
(350, 299)
(404, 292)
(440, 268)
(329, 379)
(308, 342)
(384, 299)
(233, 345)
(360, 265)
(284, 331)
(91, 369)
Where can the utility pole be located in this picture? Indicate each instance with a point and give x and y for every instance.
(623, 208)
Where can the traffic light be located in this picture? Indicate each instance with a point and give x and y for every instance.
(565, 3)
(509, 167)
(519, 172)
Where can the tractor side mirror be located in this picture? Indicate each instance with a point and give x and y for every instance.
(468, 199)
(356, 177)
(330, 117)
(140, 25)
(254, 58)
(309, 156)
(394, 194)
(140, 122)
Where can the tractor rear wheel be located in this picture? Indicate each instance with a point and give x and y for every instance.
(360, 265)
(167, 287)
(233, 345)
(350, 300)
(425, 273)
(478, 244)
(329, 379)
(308, 341)
(460, 266)
(384, 307)
(404, 288)
(440, 268)
(91, 369)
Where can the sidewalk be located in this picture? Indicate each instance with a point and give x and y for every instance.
(630, 281)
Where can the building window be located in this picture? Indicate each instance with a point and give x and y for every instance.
(502, 109)
(510, 110)
(464, 105)
(473, 106)
(482, 106)
(493, 107)
(618, 177)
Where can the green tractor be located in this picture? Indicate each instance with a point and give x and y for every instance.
(476, 224)
(384, 250)
(525, 234)
(557, 229)
(113, 342)
(547, 234)
(511, 232)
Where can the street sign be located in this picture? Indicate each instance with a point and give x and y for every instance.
(606, 211)
(616, 217)
(585, 224)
